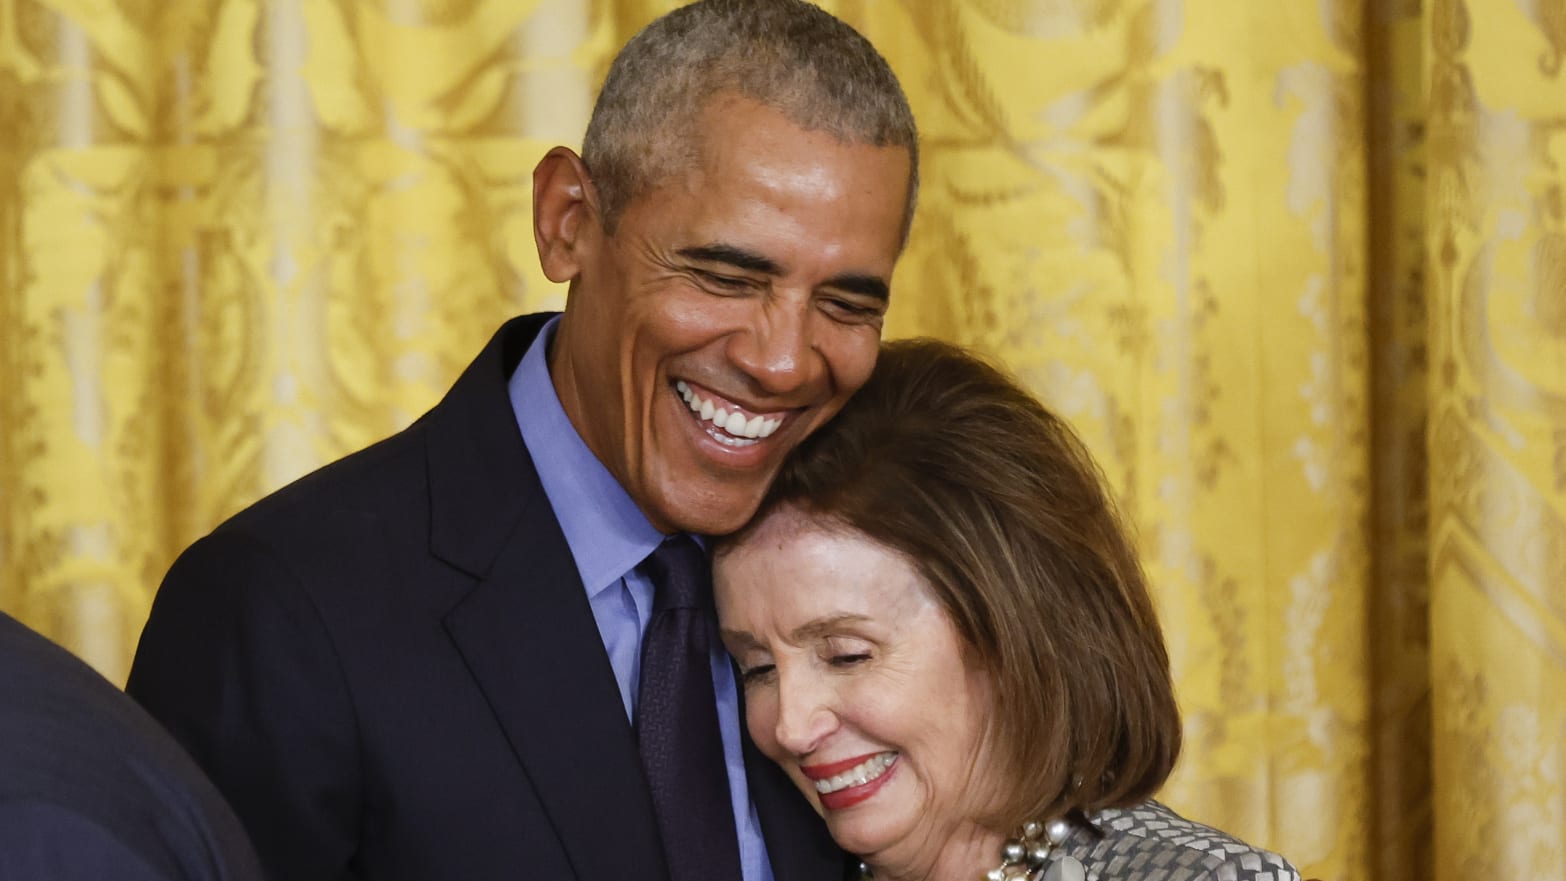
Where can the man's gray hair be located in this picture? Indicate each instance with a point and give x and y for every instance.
(785, 54)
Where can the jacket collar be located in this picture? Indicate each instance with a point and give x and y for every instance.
(481, 477)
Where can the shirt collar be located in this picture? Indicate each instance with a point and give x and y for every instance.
(607, 533)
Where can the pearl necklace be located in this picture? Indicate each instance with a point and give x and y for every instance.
(1027, 857)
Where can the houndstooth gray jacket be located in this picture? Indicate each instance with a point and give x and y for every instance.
(1149, 842)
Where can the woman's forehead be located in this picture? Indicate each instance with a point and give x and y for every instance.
(810, 569)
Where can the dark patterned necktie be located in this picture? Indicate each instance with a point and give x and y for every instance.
(677, 720)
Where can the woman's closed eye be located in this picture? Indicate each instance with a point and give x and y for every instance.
(848, 660)
(756, 674)
(842, 652)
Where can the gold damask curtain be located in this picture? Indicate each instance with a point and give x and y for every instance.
(1296, 268)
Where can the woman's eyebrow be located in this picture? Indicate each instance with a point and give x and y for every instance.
(739, 639)
(825, 626)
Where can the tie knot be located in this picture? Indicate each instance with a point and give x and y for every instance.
(678, 570)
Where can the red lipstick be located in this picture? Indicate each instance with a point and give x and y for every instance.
(852, 795)
(831, 769)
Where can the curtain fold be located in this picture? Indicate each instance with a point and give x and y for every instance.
(1398, 603)
(1296, 270)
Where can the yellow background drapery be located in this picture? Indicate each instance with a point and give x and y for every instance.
(1296, 269)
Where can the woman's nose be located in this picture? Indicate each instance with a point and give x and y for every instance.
(805, 715)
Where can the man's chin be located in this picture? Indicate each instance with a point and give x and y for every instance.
(708, 513)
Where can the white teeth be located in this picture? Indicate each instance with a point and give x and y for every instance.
(858, 775)
(743, 431)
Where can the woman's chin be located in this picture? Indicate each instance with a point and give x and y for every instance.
(863, 831)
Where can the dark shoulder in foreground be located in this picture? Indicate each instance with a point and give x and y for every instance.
(1149, 842)
(91, 787)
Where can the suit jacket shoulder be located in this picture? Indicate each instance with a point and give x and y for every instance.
(372, 662)
(391, 669)
(90, 786)
(457, 479)
(1150, 842)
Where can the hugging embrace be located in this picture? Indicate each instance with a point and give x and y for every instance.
(489, 647)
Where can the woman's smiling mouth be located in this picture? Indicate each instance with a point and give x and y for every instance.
(844, 784)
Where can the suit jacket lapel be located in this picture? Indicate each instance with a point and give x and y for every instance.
(526, 630)
(529, 638)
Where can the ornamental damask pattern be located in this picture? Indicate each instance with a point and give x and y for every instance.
(1498, 420)
(239, 238)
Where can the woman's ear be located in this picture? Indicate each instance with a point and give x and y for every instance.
(565, 213)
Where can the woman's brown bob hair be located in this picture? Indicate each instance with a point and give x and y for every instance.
(997, 503)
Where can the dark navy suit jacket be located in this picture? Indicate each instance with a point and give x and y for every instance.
(91, 788)
(391, 670)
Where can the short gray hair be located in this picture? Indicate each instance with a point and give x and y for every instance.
(786, 54)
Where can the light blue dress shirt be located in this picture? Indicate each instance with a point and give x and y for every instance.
(609, 537)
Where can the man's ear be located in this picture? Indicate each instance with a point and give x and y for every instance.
(565, 212)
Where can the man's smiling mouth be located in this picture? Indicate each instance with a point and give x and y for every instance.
(727, 422)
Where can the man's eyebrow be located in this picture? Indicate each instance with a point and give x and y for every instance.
(736, 257)
(863, 285)
(750, 261)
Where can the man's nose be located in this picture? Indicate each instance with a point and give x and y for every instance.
(777, 351)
